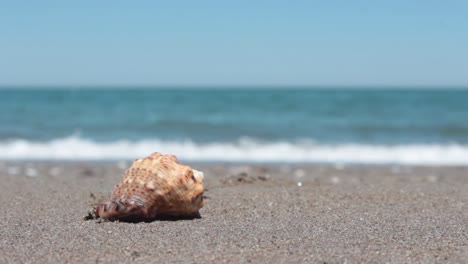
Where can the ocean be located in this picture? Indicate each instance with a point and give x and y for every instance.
(390, 126)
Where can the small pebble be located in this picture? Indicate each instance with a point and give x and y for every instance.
(122, 164)
(31, 172)
(432, 178)
(13, 170)
(54, 171)
(299, 173)
(335, 180)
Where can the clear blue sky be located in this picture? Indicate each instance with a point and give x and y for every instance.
(398, 42)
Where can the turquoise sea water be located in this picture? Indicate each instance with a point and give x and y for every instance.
(384, 125)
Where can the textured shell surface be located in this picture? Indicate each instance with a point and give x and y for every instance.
(155, 186)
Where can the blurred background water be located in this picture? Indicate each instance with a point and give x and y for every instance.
(272, 125)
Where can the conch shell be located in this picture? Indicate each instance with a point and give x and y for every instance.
(153, 187)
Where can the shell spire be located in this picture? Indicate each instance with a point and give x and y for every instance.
(153, 187)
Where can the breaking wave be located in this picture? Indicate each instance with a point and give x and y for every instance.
(243, 150)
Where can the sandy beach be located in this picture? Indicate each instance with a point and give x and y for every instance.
(254, 213)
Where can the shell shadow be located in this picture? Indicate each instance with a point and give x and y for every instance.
(91, 215)
(139, 219)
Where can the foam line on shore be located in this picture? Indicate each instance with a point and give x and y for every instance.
(77, 148)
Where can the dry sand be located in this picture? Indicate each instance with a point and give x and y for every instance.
(254, 213)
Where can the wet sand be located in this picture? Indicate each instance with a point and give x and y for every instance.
(254, 213)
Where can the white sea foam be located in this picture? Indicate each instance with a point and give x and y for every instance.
(76, 148)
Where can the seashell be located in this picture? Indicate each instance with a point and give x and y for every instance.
(153, 187)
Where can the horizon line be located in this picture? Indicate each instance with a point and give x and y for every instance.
(226, 86)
